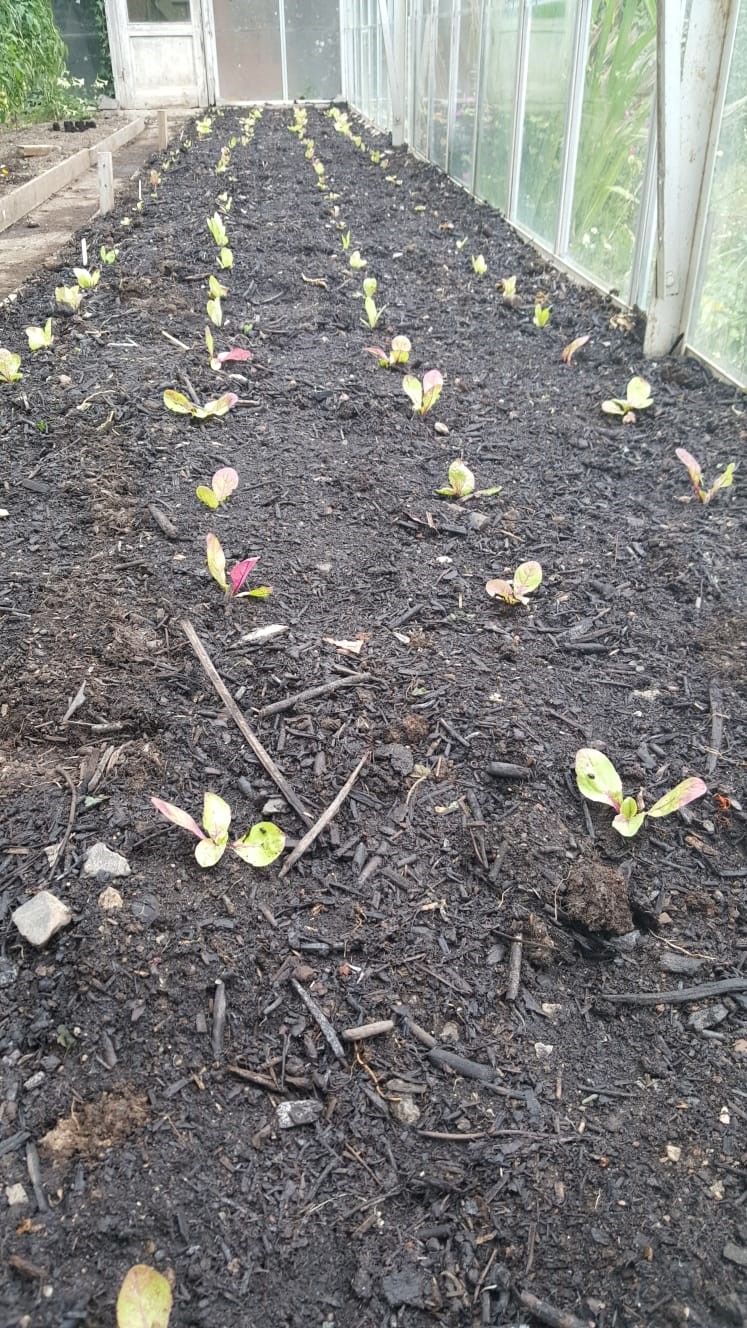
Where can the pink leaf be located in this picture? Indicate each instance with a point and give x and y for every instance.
(177, 816)
(236, 354)
(240, 572)
(224, 483)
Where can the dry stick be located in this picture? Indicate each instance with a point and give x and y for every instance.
(162, 521)
(350, 680)
(174, 340)
(548, 1314)
(330, 1035)
(60, 850)
(514, 969)
(219, 1018)
(717, 726)
(680, 994)
(262, 756)
(264, 1080)
(368, 1030)
(324, 819)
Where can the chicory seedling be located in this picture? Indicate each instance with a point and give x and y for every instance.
(40, 337)
(479, 266)
(526, 578)
(599, 781)
(462, 483)
(214, 310)
(356, 262)
(68, 297)
(225, 257)
(345, 240)
(219, 490)
(399, 353)
(85, 279)
(107, 256)
(694, 470)
(423, 395)
(10, 366)
(217, 230)
(541, 315)
(638, 397)
(182, 405)
(372, 312)
(259, 846)
(370, 286)
(144, 1299)
(569, 351)
(216, 561)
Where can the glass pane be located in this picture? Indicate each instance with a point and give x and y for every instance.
(312, 47)
(615, 126)
(422, 55)
(720, 330)
(440, 86)
(500, 53)
(158, 11)
(551, 31)
(247, 39)
(463, 128)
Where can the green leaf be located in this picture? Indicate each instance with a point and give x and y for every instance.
(412, 387)
(259, 592)
(461, 479)
(215, 312)
(217, 290)
(177, 402)
(639, 394)
(355, 260)
(678, 797)
(400, 352)
(597, 778)
(10, 365)
(206, 496)
(261, 845)
(723, 481)
(615, 407)
(216, 561)
(225, 257)
(628, 820)
(216, 816)
(210, 851)
(479, 266)
(527, 577)
(369, 286)
(144, 1299)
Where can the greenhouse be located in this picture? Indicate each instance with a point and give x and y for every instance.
(373, 632)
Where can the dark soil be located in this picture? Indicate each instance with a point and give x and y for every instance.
(587, 1151)
(61, 143)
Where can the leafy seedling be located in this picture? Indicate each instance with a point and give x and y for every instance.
(460, 244)
(356, 262)
(694, 470)
(85, 279)
(526, 579)
(423, 395)
(569, 351)
(107, 256)
(69, 297)
(214, 310)
(216, 561)
(541, 315)
(372, 312)
(219, 490)
(638, 398)
(182, 405)
(225, 257)
(479, 266)
(399, 353)
(204, 127)
(370, 286)
(599, 781)
(224, 356)
(259, 846)
(10, 366)
(462, 483)
(217, 230)
(345, 240)
(40, 337)
(144, 1299)
(508, 288)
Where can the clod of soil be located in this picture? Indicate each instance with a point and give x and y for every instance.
(597, 896)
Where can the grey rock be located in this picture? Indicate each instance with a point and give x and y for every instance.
(40, 918)
(736, 1253)
(404, 1286)
(405, 1110)
(34, 1081)
(101, 860)
(16, 1195)
(303, 1112)
(677, 963)
(708, 1017)
(477, 520)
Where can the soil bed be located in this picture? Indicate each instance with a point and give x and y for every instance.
(597, 1160)
(61, 144)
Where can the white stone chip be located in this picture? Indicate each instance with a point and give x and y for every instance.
(40, 918)
(100, 859)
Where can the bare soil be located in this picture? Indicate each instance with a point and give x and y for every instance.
(61, 144)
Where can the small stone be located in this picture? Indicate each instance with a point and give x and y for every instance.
(673, 1152)
(16, 1195)
(543, 1050)
(405, 1110)
(104, 861)
(262, 634)
(708, 1017)
(34, 1081)
(477, 520)
(4, 512)
(736, 1253)
(302, 1112)
(274, 807)
(440, 427)
(40, 918)
(677, 963)
(110, 898)
(450, 1032)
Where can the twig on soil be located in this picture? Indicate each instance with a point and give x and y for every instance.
(35, 1176)
(514, 969)
(548, 1314)
(174, 340)
(265, 1081)
(166, 527)
(506, 770)
(368, 1030)
(328, 1031)
(219, 1018)
(716, 698)
(190, 389)
(60, 851)
(448, 1059)
(77, 701)
(263, 756)
(679, 995)
(324, 819)
(350, 680)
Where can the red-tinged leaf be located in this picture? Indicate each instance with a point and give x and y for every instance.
(628, 820)
(239, 572)
(177, 402)
(412, 387)
(216, 816)
(216, 560)
(223, 404)
(224, 483)
(432, 387)
(236, 354)
(678, 797)
(177, 816)
(570, 350)
(692, 467)
(144, 1299)
(377, 350)
(597, 778)
(500, 589)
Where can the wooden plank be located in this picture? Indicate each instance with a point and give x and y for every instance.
(105, 172)
(19, 202)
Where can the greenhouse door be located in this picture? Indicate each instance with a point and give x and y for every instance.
(158, 55)
(276, 50)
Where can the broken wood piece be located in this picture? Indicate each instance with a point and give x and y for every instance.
(514, 969)
(162, 521)
(328, 1031)
(461, 1065)
(507, 770)
(219, 1019)
(716, 698)
(265, 1080)
(77, 701)
(368, 1030)
(549, 1315)
(349, 680)
(262, 756)
(679, 995)
(174, 340)
(324, 819)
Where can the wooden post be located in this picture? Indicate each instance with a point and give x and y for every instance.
(105, 171)
(163, 131)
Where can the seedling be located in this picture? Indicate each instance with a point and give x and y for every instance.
(462, 484)
(526, 579)
(204, 126)
(214, 310)
(356, 262)
(345, 240)
(69, 297)
(182, 405)
(217, 230)
(460, 244)
(216, 561)
(722, 481)
(10, 366)
(569, 351)
(85, 279)
(220, 488)
(144, 1299)
(225, 257)
(40, 337)
(638, 398)
(372, 312)
(479, 266)
(259, 846)
(599, 781)
(224, 356)
(225, 202)
(370, 286)
(107, 256)
(423, 395)
(541, 315)
(224, 161)
(399, 353)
